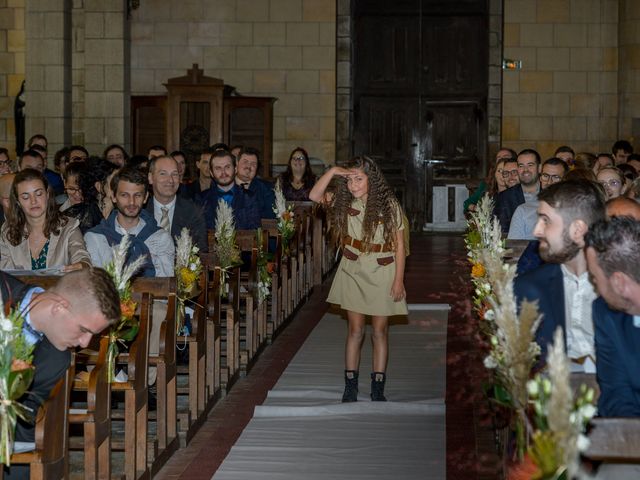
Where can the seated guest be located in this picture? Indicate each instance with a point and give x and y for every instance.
(81, 304)
(246, 209)
(629, 175)
(116, 154)
(31, 159)
(203, 182)
(298, 179)
(585, 160)
(566, 154)
(529, 186)
(90, 175)
(6, 165)
(621, 150)
(35, 235)
(156, 151)
(129, 194)
(612, 180)
(170, 211)
(5, 190)
(613, 258)
(40, 143)
(494, 182)
(602, 160)
(561, 286)
(525, 216)
(71, 188)
(248, 162)
(633, 191)
(140, 162)
(634, 161)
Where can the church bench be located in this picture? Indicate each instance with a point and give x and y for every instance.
(95, 418)
(615, 440)
(50, 458)
(213, 308)
(275, 310)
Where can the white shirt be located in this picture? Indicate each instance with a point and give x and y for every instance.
(636, 321)
(160, 245)
(579, 294)
(157, 210)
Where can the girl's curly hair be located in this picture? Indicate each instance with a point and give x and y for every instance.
(381, 207)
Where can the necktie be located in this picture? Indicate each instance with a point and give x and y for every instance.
(164, 220)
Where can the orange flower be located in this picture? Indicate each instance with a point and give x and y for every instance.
(128, 308)
(526, 470)
(17, 365)
(271, 267)
(477, 270)
(287, 215)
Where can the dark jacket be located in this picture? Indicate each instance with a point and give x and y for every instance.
(265, 196)
(617, 343)
(506, 204)
(186, 214)
(246, 209)
(544, 284)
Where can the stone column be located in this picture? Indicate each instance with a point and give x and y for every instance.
(629, 72)
(106, 102)
(48, 70)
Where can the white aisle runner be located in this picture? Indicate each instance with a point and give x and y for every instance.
(303, 431)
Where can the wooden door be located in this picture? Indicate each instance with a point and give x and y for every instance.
(420, 88)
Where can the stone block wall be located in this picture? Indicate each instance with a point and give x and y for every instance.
(567, 90)
(12, 66)
(279, 48)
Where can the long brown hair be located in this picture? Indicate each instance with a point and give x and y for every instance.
(17, 229)
(381, 208)
(308, 178)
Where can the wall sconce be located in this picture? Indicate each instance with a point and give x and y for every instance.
(508, 64)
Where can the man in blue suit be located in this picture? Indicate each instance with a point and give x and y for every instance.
(248, 162)
(613, 258)
(561, 286)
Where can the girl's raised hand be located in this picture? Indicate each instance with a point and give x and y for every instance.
(343, 172)
(397, 291)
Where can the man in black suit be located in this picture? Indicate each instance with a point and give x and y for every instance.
(525, 191)
(171, 211)
(80, 305)
(561, 286)
(246, 176)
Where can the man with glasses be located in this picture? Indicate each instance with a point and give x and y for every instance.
(525, 216)
(248, 161)
(526, 191)
(510, 172)
(5, 161)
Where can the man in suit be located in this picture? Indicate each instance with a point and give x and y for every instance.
(248, 161)
(525, 191)
(82, 304)
(173, 213)
(561, 286)
(246, 208)
(613, 259)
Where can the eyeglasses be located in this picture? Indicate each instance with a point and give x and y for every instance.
(77, 158)
(5, 163)
(509, 173)
(298, 157)
(611, 183)
(546, 177)
(72, 191)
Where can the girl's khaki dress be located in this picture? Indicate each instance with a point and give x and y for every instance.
(363, 282)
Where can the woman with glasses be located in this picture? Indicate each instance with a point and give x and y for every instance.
(612, 180)
(298, 180)
(493, 184)
(35, 235)
(71, 188)
(5, 161)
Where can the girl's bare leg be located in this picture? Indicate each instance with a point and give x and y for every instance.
(379, 339)
(354, 340)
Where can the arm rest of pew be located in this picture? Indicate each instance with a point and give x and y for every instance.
(614, 440)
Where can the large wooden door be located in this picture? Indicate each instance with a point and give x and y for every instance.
(420, 89)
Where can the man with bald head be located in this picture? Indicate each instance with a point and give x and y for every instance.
(623, 207)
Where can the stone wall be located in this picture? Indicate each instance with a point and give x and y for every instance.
(12, 48)
(567, 90)
(279, 48)
(629, 71)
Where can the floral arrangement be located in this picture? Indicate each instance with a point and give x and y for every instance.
(559, 418)
(16, 374)
(226, 248)
(126, 329)
(187, 271)
(513, 350)
(265, 269)
(284, 216)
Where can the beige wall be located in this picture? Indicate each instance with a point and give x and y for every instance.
(12, 48)
(279, 48)
(567, 90)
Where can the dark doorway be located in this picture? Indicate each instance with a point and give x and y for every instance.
(420, 81)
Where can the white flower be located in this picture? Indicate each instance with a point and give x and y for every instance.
(587, 412)
(490, 362)
(193, 267)
(489, 314)
(533, 388)
(5, 324)
(583, 442)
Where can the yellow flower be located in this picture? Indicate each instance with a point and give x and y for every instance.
(188, 277)
(477, 270)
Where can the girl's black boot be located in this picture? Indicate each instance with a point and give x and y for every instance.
(378, 380)
(350, 386)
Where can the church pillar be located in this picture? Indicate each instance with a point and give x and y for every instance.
(629, 72)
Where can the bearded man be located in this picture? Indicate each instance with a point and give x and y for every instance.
(561, 286)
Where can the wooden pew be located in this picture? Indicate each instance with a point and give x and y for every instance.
(191, 420)
(615, 440)
(278, 287)
(49, 460)
(213, 341)
(247, 243)
(95, 419)
(165, 362)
